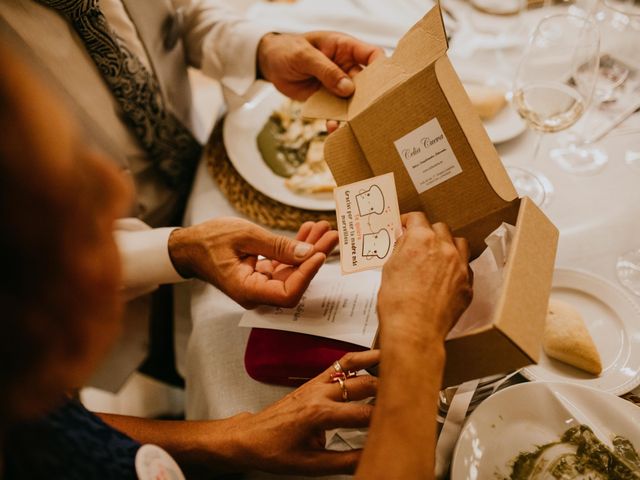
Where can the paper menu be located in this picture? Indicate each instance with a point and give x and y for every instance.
(342, 308)
(368, 222)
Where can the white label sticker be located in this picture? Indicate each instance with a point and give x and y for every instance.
(427, 156)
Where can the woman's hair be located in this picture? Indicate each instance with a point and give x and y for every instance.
(44, 214)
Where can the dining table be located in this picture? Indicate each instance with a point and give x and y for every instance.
(597, 214)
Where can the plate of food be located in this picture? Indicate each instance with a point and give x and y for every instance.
(592, 335)
(490, 96)
(549, 430)
(279, 153)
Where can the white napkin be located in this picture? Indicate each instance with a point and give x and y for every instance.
(379, 22)
(488, 271)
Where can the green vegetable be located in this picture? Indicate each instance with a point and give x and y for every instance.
(592, 459)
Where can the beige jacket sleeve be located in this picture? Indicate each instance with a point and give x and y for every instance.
(220, 43)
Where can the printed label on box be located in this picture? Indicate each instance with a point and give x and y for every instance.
(427, 156)
(368, 222)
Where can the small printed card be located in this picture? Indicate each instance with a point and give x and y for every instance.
(368, 222)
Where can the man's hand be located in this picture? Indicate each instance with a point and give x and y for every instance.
(225, 252)
(298, 64)
(289, 436)
(426, 284)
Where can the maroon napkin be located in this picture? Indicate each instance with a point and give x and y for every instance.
(291, 359)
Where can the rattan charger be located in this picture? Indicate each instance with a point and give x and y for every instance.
(250, 202)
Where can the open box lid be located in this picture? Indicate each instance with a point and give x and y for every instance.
(396, 100)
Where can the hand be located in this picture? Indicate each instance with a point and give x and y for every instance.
(426, 284)
(225, 252)
(298, 64)
(289, 436)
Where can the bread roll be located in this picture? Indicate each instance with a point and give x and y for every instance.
(567, 339)
(487, 101)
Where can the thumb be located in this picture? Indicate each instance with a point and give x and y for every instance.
(330, 75)
(277, 247)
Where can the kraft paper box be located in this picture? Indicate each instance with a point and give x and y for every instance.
(410, 115)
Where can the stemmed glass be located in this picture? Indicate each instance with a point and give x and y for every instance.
(619, 54)
(553, 86)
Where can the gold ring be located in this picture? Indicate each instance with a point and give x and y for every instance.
(337, 367)
(343, 387)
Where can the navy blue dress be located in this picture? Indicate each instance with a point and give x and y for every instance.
(71, 443)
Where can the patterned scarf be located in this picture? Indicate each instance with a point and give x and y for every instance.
(172, 148)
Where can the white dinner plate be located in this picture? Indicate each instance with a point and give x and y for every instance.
(520, 418)
(507, 124)
(613, 320)
(240, 133)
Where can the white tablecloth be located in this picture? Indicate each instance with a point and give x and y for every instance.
(598, 217)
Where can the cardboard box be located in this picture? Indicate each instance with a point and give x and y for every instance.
(411, 115)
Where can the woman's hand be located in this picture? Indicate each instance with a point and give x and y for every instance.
(426, 284)
(289, 436)
(225, 252)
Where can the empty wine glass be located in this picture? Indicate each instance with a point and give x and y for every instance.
(553, 86)
(618, 22)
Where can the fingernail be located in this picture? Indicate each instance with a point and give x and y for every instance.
(302, 249)
(345, 86)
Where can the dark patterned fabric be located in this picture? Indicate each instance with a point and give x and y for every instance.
(70, 444)
(172, 148)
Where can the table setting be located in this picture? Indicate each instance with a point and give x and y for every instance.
(564, 122)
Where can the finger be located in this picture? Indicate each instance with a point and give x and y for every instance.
(365, 53)
(463, 248)
(327, 242)
(332, 126)
(265, 267)
(259, 241)
(303, 231)
(358, 388)
(353, 71)
(328, 73)
(318, 229)
(260, 289)
(348, 415)
(362, 53)
(414, 220)
(443, 231)
(353, 361)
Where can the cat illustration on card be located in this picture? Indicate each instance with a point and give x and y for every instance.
(376, 245)
(370, 201)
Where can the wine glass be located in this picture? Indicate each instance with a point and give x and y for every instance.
(618, 21)
(553, 86)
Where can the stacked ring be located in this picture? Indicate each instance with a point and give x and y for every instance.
(343, 387)
(341, 376)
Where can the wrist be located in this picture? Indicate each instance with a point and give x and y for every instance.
(410, 330)
(220, 446)
(180, 252)
(262, 55)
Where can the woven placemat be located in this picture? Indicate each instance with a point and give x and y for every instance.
(250, 202)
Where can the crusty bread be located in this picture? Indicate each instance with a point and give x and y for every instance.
(567, 339)
(487, 101)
